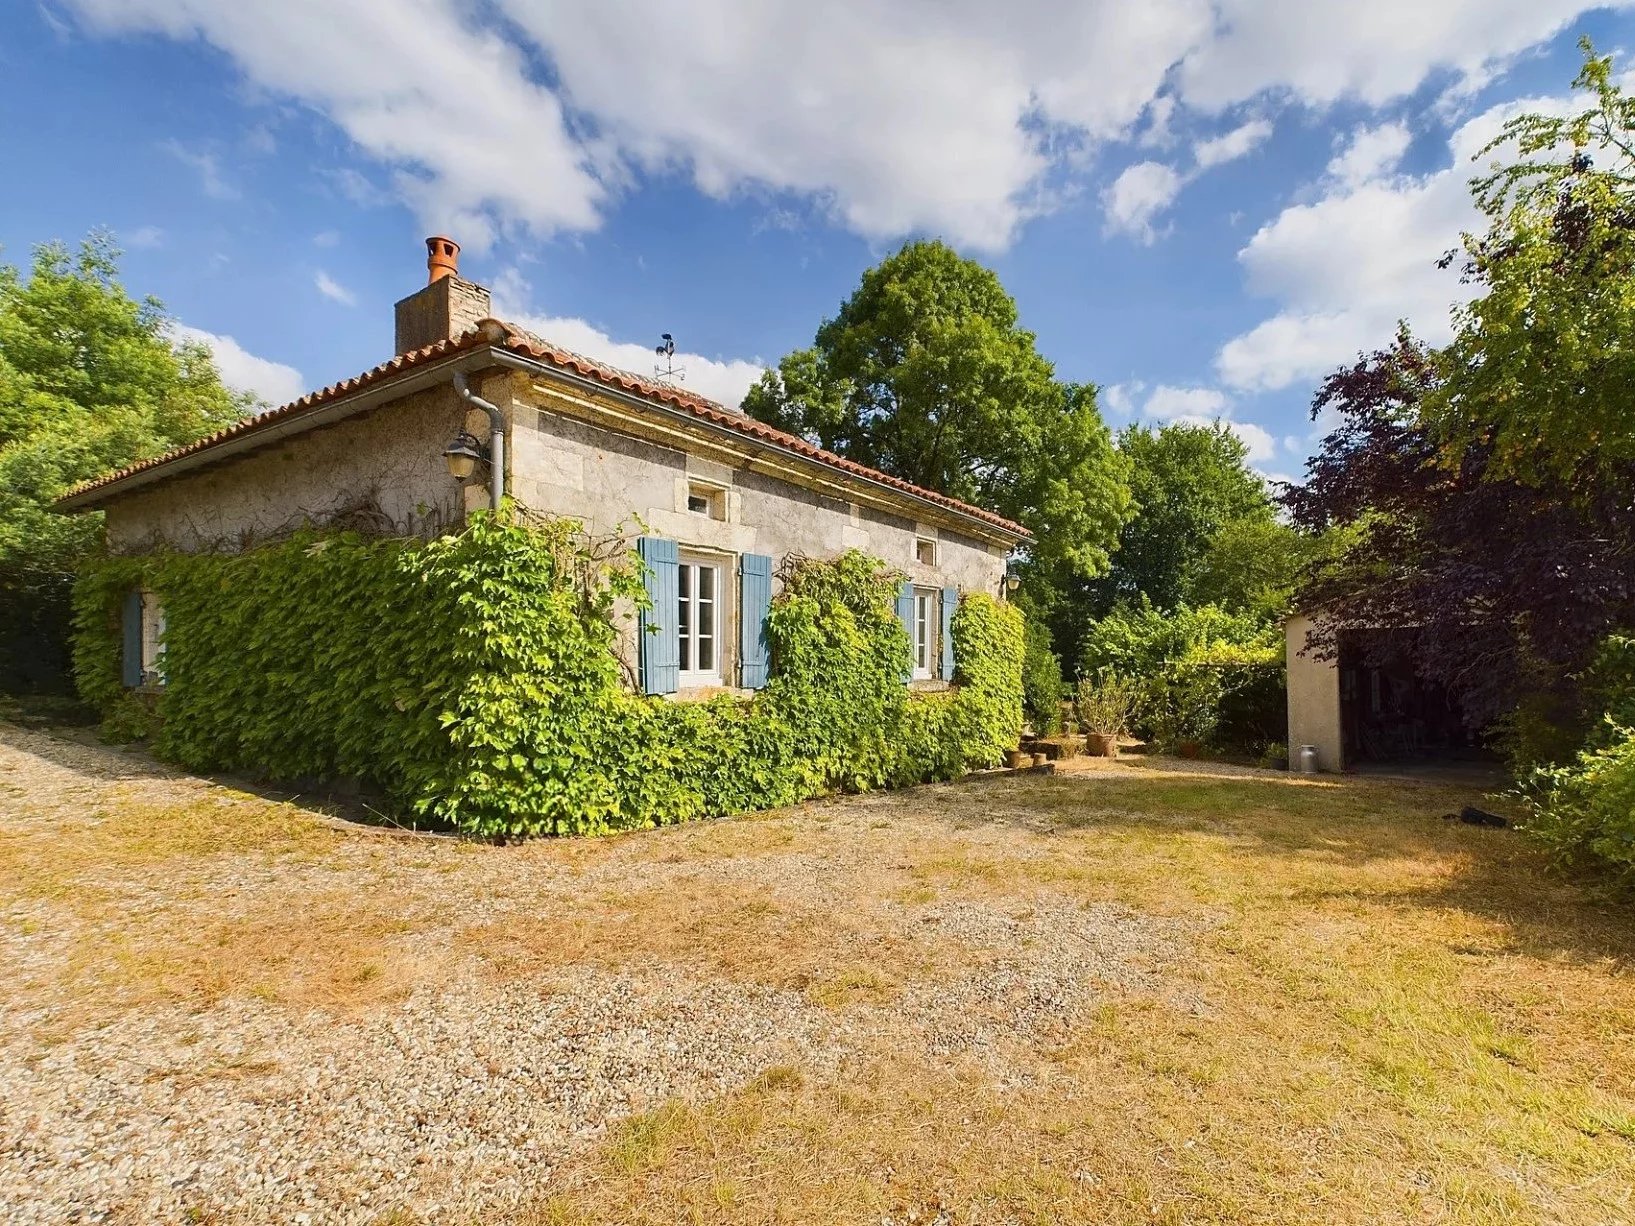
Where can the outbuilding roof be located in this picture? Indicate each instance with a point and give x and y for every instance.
(501, 335)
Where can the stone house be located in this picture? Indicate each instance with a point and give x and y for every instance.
(721, 499)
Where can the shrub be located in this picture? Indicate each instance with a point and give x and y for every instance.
(474, 679)
(1207, 675)
(1140, 640)
(1041, 680)
(1586, 810)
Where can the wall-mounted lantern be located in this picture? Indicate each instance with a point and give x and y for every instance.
(463, 455)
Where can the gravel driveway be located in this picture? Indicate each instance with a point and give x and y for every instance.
(221, 1007)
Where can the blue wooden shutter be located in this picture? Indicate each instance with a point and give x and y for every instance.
(131, 623)
(905, 614)
(950, 602)
(660, 641)
(754, 603)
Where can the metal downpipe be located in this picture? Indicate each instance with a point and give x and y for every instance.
(496, 438)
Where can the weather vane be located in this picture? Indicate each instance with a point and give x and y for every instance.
(666, 369)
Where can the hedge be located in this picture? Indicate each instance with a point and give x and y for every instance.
(473, 679)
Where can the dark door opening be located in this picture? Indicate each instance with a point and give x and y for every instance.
(1390, 714)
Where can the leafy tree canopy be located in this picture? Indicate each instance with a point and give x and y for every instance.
(1541, 365)
(1255, 564)
(1502, 589)
(1188, 482)
(925, 374)
(90, 380)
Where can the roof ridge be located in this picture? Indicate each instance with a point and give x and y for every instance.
(631, 376)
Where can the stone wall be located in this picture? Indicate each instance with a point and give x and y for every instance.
(388, 462)
(563, 465)
(566, 466)
(440, 311)
(383, 470)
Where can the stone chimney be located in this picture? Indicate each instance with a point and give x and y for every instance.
(447, 307)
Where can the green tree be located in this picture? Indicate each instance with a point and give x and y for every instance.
(90, 381)
(1189, 482)
(1253, 565)
(925, 374)
(1541, 366)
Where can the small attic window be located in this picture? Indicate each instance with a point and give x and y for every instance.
(925, 551)
(707, 500)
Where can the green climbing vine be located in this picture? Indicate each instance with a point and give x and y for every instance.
(474, 679)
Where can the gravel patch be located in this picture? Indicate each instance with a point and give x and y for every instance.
(456, 1100)
(462, 1093)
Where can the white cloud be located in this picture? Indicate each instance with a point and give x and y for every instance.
(144, 238)
(1232, 145)
(1261, 444)
(333, 289)
(260, 141)
(722, 380)
(206, 165)
(1370, 152)
(326, 238)
(1133, 202)
(358, 187)
(1346, 267)
(1137, 196)
(1322, 52)
(473, 142)
(962, 118)
(1172, 403)
(895, 117)
(1155, 133)
(60, 29)
(1119, 398)
(1203, 406)
(274, 382)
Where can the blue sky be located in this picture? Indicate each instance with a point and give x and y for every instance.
(1200, 205)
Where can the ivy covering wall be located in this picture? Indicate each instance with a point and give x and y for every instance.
(474, 680)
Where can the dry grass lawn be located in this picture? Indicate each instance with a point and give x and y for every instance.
(1121, 994)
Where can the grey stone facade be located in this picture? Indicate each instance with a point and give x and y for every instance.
(572, 454)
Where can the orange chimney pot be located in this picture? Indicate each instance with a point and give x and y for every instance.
(442, 258)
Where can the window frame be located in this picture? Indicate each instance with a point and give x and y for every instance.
(690, 604)
(926, 617)
(153, 639)
(929, 544)
(713, 496)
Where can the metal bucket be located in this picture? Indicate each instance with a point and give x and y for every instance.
(1308, 760)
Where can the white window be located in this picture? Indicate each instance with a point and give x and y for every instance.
(699, 620)
(153, 640)
(707, 500)
(925, 551)
(925, 633)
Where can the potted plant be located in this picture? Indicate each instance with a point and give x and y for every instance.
(1106, 706)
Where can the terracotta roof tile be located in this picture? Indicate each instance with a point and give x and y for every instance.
(526, 344)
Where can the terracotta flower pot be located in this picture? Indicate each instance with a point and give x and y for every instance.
(1101, 745)
(1189, 749)
(1013, 758)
